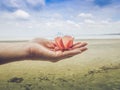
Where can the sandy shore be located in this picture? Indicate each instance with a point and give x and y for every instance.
(96, 69)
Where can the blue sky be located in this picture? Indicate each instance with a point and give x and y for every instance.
(48, 18)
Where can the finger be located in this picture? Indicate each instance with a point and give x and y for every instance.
(78, 45)
(83, 49)
(54, 43)
(72, 52)
(51, 45)
(57, 48)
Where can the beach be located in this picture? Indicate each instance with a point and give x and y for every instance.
(96, 69)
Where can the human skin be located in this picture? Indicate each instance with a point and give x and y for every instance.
(37, 49)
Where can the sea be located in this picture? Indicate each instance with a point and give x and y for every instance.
(82, 36)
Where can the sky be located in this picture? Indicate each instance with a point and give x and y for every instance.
(50, 18)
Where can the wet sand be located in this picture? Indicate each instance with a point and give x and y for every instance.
(96, 69)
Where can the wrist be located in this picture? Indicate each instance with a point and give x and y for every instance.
(29, 50)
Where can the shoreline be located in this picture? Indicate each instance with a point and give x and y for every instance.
(52, 39)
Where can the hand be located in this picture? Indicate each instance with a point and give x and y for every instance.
(45, 49)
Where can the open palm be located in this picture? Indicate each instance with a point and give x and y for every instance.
(45, 49)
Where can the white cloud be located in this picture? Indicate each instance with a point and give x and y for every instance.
(21, 14)
(21, 4)
(85, 15)
(36, 2)
(15, 16)
(89, 21)
(10, 3)
(52, 19)
(72, 23)
(13, 3)
(57, 15)
(48, 28)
